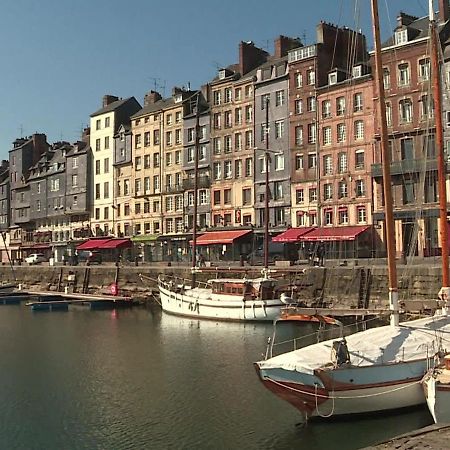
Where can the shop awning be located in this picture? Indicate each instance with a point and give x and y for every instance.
(116, 243)
(92, 244)
(220, 237)
(293, 234)
(334, 234)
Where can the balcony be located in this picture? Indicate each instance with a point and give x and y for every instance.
(203, 182)
(173, 189)
(407, 166)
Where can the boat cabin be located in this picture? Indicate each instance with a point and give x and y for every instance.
(264, 289)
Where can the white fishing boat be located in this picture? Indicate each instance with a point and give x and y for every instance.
(436, 386)
(258, 299)
(378, 369)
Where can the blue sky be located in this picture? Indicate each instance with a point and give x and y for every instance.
(59, 57)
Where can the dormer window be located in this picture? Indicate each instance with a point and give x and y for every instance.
(178, 98)
(332, 78)
(222, 74)
(357, 71)
(401, 37)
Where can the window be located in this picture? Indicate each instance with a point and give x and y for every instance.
(327, 165)
(178, 136)
(106, 215)
(238, 94)
(97, 167)
(332, 78)
(238, 168)
(228, 173)
(357, 102)
(311, 77)
(137, 141)
(403, 74)
(298, 106)
(38, 205)
(342, 162)
(169, 119)
(156, 136)
(299, 162)
(340, 106)
(299, 196)
(178, 117)
(168, 159)
(299, 135)
(106, 165)
(341, 135)
(238, 116)
(97, 213)
(228, 95)
(279, 162)
(327, 191)
(106, 142)
(75, 200)
(147, 160)
(227, 196)
(312, 133)
(168, 138)
(156, 160)
(97, 145)
(228, 119)
(137, 186)
(216, 197)
(326, 135)
(54, 186)
(98, 124)
(246, 196)
(238, 141)
(359, 130)
(147, 185)
(74, 180)
(357, 71)
(217, 97)
(191, 199)
(248, 91)
(343, 216)
(107, 122)
(203, 200)
(361, 216)
(97, 191)
(263, 165)
(279, 129)
(401, 37)
(264, 100)
(191, 134)
(217, 170)
(279, 98)
(388, 114)
(248, 167)
(74, 162)
(405, 106)
(359, 159)
(298, 78)
(311, 104)
(178, 157)
(424, 69)
(312, 161)
(227, 146)
(278, 190)
(360, 188)
(386, 78)
(408, 191)
(426, 106)
(326, 109)
(126, 187)
(407, 149)
(312, 195)
(328, 217)
(249, 139)
(342, 189)
(217, 145)
(169, 203)
(248, 114)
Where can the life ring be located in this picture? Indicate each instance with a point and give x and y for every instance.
(114, 289)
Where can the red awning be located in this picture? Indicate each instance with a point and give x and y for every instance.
(292, 235)
(92, 244)
(334, 234)
(116, 243)
(220, 237)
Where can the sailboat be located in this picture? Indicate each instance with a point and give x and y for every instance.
(379, 369)
(237, 299)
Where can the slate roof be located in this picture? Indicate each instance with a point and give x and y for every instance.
(111, 107)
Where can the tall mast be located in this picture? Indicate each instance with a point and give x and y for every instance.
(386, 160)
(194, 221)
(266, 196)
(441, 166)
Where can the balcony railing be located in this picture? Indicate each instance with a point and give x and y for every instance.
(173, 189)
(408, 166)
(203, 182)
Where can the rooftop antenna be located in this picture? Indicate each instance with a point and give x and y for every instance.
(304, 37)
(21, 130)
(159, 85)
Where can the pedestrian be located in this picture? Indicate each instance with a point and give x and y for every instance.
(321, 254)
(201, 261)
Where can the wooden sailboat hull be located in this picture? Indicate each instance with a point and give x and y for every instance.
(436, 386)
(200, 303)
(320, 395)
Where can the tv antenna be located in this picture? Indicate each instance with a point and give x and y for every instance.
(159, 85)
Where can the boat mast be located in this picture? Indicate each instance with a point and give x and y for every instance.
(441, 166)
(266, 196)
(386, 163)
(194, 219)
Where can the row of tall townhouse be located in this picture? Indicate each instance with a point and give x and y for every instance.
(132, 174)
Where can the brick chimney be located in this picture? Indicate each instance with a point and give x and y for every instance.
(443, 11)
(40, 146)
(404, 20)
(108, 99)
(283, 44)
(250, 57)
(151, 97)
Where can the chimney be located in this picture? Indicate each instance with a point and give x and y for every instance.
(108, 99)
(443, 11)
(151, 97)
(404, 20)
(283, 44)
(250, 57)
(85, 136)
(40, 146)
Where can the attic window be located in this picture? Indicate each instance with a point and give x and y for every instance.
(332, 78)
(178, 98)
(222, 74)
(401, 37)
(357, 71)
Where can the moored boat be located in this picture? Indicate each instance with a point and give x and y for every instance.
(436, 386)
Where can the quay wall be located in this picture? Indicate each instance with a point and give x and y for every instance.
(344, 287)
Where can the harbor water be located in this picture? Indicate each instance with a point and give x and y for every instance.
(141, 379)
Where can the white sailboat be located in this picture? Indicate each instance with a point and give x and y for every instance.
(237, 299)
(436, 386)
(378, 369)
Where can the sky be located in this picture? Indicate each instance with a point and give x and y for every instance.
(59, 57)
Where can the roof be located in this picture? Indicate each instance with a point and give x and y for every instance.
(221, 237)
(94, 244)
(154, 107)
(292, 234)
(334, 233)
(111, 107)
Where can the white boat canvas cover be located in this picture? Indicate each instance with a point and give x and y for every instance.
(387, 344)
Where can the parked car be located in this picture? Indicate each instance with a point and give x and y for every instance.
(35, 258)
